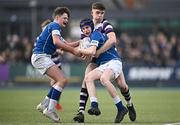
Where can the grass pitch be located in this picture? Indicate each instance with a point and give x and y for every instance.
(154, 106)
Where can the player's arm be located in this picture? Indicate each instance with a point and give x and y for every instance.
(72, 44)
(61, 45)
(108, 44)
(89, 51)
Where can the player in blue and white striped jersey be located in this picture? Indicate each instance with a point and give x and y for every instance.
(98, 11)
(45, 46)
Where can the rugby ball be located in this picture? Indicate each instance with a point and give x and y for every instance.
(85, 43)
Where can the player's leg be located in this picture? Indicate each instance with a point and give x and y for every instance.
(84, 93)
(126, 93)
(46, 66)
(52, 82)
(83, 96)
(44, 104)
(89, 80)
(42, 63)
(58, 76)
(105, 80)
(58, 105)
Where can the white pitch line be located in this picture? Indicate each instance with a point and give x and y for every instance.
(178, 123)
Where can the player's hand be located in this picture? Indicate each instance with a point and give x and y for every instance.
(86, 58)
(60, 51)
(76, 52)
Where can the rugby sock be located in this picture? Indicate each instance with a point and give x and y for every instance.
(52, 104)
(58, 105)
(50, 92)
(83, 99)
(54, 97)
(118, 103)
(94, 102)
(45, 102)
(127, 97)
(47, 98)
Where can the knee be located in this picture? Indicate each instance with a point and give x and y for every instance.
(122, 85)
(87, 79)
(124, 88)
(62, 81)
(104, 80)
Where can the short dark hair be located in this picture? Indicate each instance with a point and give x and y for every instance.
(98, 5)
(61, 11)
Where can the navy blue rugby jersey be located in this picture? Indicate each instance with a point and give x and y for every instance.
(44, 42)
(98, 39)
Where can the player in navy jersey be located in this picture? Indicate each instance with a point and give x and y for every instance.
(56, 58)
(109, 67)
(101, 24)
(45, 46)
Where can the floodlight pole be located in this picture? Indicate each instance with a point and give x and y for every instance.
(33, 5)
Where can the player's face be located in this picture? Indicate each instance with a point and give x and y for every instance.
(86, 30)
(97, 15)
(63, 20)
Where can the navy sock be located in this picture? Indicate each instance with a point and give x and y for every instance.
(55, 94)
(94, 104)
(119, 106)
(50, 92)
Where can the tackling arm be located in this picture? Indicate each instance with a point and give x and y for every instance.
(89, 51)
(108, 44)
(72, 44)
(63, 46)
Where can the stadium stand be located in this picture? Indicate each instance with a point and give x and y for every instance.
(147, 30)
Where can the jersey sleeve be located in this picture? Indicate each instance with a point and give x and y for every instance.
(95, 38)
(107, 27)
(55, 29)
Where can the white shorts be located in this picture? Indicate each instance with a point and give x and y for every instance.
(114, 65)
(42, 62)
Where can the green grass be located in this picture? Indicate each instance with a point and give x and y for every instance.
(154, 106)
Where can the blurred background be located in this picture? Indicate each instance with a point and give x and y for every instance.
(148, 33)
